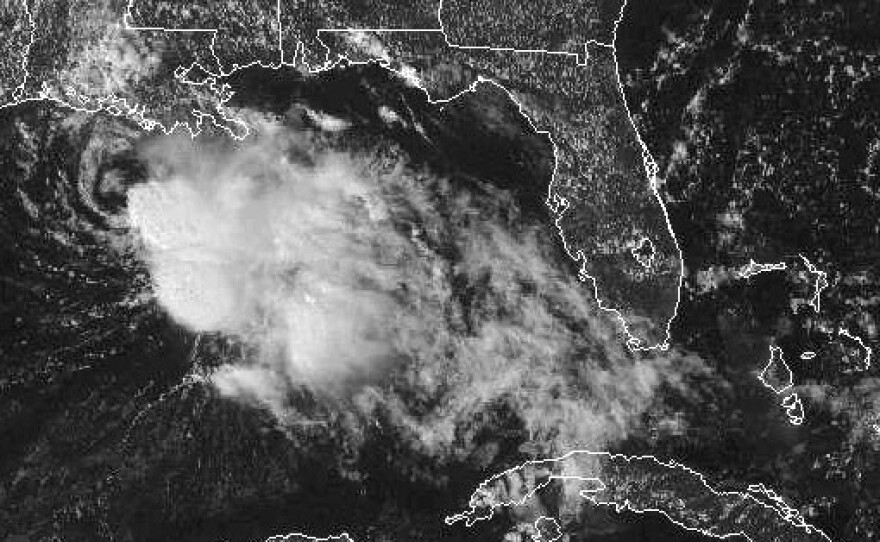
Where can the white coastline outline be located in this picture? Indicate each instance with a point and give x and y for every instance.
(754, 268)
(648, 162)
(540, 537)
(776, 354)
(555, 203)
(341, 537)
(821, 283)
(120, 106)
(791, 403)
(25, 58)
(644, 262)
(794, 409)
(784, 511)
(869, 352)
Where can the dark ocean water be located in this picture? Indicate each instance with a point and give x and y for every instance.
(104, 438)
(768, 110)
(106, 433)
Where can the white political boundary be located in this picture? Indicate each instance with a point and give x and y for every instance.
(787, 511)
(555, 203)
(869, 352)
(808, 355)
(26, 54)
(648, 261)
(598, 484)
(776, 355)
(784, 511)
(342, 537)
(553, 522)
(794, 409)
(112, 104)
(791, 403)
(754, 268)
(119, 106)
(821, 283)
(558, 205)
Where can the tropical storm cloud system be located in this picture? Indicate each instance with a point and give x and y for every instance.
(439, 271)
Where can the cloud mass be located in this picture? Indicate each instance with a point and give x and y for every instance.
(355, 275)
(280, 254)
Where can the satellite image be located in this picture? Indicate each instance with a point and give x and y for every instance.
(439, 270)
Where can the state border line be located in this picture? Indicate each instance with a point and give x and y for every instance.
(17, 93)
(649, 163)
(556, 203)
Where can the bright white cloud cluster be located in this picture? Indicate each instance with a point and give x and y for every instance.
(278, 253)
(388, 288)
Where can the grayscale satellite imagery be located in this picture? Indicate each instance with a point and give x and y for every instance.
(439, 270)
